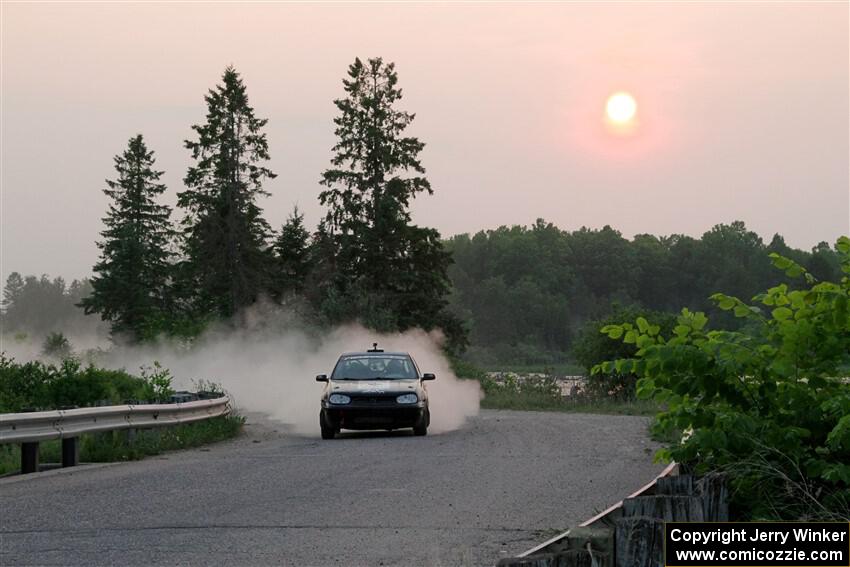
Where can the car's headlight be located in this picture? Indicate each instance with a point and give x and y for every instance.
(339, 399)
(407, 399)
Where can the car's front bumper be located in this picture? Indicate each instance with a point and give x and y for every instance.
(357, 416)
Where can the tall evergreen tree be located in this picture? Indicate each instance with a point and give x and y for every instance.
(292, 253)
(394, 270)
(320, 288)
(13, 290)
(227, 256)
(130, 286)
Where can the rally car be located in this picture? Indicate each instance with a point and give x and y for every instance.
(374, 390)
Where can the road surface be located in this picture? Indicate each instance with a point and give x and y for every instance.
(505, 482)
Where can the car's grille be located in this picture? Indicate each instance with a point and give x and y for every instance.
(374, 399)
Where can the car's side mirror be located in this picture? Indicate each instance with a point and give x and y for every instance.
(428, 376)
(322, 378)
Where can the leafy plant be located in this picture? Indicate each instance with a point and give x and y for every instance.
(22, 386)
(591, 347)
(157, 382)
(774, 384)
(209, 387)
(40, 386)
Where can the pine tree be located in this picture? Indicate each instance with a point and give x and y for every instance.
(395, 271)
(320, 289)
(227, 257)
(13, 290)
(130, 286)
(292, 253)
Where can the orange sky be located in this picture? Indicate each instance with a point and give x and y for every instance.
(743, 110)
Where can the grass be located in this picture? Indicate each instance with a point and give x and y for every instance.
(544, 395)
(113, 446)
(538, 401)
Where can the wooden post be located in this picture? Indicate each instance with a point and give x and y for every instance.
(70, 451)
(29, 457)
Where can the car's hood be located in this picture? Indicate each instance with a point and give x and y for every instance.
(373, 386)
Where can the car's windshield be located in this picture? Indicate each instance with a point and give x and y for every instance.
(370, 367)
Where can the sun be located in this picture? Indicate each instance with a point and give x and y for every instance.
(621, 108)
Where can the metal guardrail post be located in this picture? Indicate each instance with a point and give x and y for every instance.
(70, 451)
(29, 457)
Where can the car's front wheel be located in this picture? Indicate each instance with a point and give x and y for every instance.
(327, 432)
(421, 428)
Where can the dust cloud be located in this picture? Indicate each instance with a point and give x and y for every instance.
(269, 364)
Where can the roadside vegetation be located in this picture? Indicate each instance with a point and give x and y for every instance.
(544, 395)
(767, 402)
(539, 391)
(120, 446)
(37, 386)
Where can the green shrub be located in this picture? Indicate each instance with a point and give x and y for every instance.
(464, 369)
(157, 383)
(23, 386)
(40, 386)
(57, 346)
(768, 403)
(590, 348)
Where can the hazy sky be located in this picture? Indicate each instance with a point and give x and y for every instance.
(742, 110)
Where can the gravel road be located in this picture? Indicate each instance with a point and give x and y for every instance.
(505, 482)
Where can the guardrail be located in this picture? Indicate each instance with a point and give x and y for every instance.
(30, 428)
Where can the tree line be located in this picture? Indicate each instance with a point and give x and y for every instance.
(525, 295)
(365, 261)
(41, 305)
(538, 294)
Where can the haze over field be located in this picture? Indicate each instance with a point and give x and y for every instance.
(742, 111)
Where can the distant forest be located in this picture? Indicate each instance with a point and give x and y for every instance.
(519, 295)
(525, 293)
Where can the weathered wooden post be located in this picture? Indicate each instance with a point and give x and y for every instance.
(70, 451)
(29, 457)
(640, 532)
